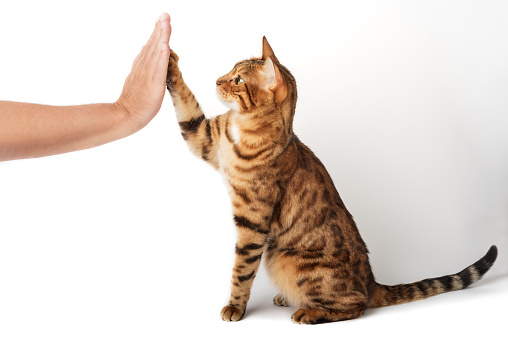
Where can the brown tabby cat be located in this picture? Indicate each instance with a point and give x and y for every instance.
(285, 204)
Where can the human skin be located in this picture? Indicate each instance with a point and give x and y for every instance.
(32, 130)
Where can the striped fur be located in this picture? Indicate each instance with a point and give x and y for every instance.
(398, 294)
(285, 206)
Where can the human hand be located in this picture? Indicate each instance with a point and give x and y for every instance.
(144, 87)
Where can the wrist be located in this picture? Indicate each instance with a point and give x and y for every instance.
(124, 118)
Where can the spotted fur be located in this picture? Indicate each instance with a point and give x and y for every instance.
(285, 205)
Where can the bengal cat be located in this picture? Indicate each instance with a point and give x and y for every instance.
(285, 204)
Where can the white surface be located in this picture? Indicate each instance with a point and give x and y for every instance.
(405, 103)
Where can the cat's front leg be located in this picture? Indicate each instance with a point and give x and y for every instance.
(201, 135)
(252, 235)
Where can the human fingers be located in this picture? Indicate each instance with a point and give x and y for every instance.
(164, 17)
(157, 69)
(160, 68)
(160, 35)
(148, 49)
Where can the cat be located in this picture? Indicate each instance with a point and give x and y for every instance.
(285, 205)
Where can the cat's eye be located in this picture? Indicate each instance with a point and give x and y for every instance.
(239, 81)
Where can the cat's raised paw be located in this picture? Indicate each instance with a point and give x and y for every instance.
(280, 301)
(174, 56)
(173, 71)
(231, 313)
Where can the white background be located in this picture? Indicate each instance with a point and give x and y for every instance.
(405, 102)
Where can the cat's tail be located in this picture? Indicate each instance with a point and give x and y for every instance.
(383, 295)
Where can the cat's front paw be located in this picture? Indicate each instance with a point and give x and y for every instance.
(173, 71)
(174, 56)
(231, 313)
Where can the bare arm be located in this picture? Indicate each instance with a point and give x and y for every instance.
(32, 130)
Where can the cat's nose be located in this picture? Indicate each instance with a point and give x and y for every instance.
(218, 83)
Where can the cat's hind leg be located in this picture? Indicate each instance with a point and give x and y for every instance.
(279, 300)
(319, 309)
(317, 316)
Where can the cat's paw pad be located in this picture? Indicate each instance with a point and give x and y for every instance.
(231, 313)
(280, 301)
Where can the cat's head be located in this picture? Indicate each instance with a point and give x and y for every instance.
(257, 83)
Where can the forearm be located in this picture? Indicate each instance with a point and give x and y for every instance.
(32, 130)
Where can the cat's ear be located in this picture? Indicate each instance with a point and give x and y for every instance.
(274, 80)
(268, 51)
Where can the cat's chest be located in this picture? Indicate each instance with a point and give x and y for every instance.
(232, 144)
(229, 150)
(235, 133)
(246, 150)
(240, 160)
(241, 152)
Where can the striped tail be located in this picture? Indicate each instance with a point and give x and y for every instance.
(398, 294)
